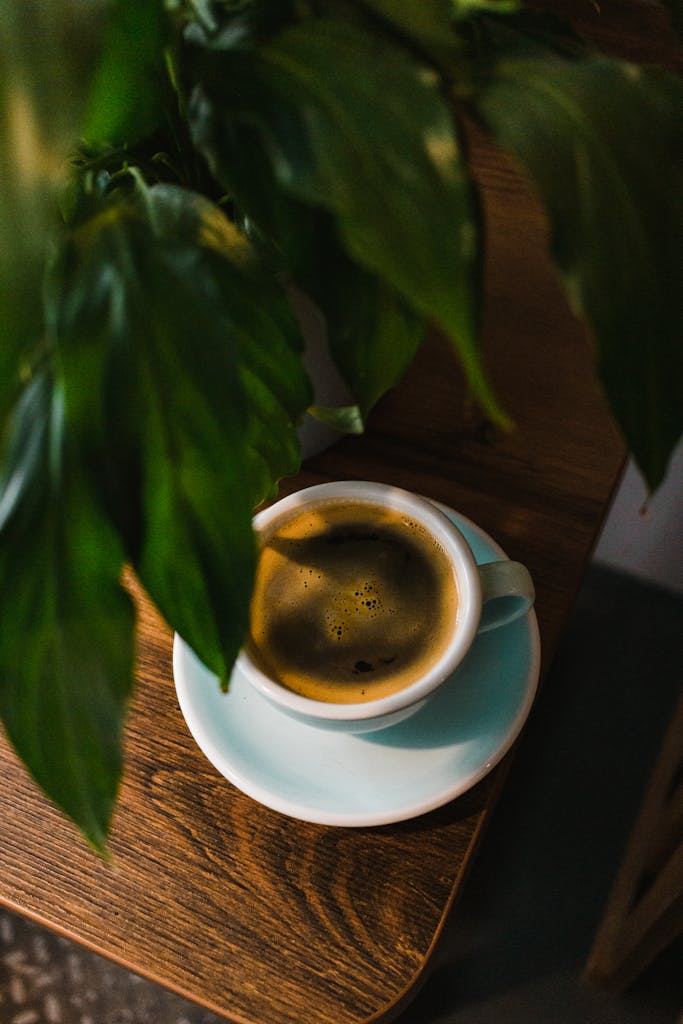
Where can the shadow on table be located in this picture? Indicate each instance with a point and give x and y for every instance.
(515, 945)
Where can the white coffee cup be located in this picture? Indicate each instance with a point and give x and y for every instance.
(489, 596)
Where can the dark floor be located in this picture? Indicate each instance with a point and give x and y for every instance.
(515, 946)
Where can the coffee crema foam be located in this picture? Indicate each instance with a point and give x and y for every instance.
(352, 601)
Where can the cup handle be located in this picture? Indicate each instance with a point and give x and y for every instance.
(507, 591)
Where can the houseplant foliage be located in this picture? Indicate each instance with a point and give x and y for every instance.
(169, 171)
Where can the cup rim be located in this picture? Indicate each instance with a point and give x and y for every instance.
(451, 539)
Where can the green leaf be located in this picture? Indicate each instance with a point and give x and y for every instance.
(467, 8)
(125, 97)
(373, 333)
(268, 343)
(427, 24)
(198, 365)
(353, 123)
(602, 140)
(67, 642)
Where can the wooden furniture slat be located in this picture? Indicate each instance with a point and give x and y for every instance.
(644, 910)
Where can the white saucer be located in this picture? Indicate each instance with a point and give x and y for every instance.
(382, 777)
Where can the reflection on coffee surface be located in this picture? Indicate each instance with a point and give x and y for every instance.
(352, 602)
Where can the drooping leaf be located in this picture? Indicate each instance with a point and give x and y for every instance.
(357, 126)
(66, 644)
(268, 342)
(372, 331)
(602, 139)
(199, 365)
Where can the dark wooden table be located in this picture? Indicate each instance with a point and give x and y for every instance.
(266, 919)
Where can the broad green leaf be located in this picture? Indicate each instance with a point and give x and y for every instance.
(266, 335)
(196, 555)
(362, 131)
(602, 140)
(373, 333)
(125, 97)
(67, 640)
(197, 355)
(427, 24)
(466, 8)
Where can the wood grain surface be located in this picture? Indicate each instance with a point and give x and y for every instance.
(274, 921)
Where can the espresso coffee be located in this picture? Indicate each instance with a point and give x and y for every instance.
(352, 601)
